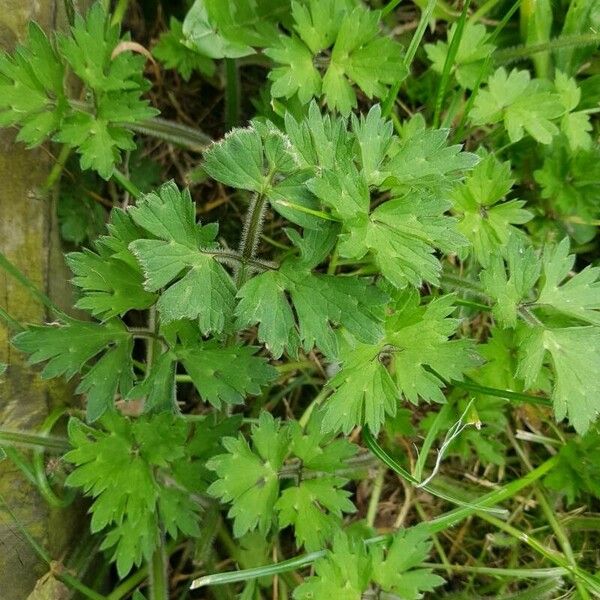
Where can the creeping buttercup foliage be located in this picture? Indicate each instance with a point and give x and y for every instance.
(142, 476)
(400, 273)
(33, 92)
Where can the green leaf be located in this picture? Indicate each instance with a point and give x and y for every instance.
(344, 573)
(575, 355)
(111, 287)
(420, 357)
(304, 506)
(230, 30)
(401, 235)
(571, 181)
(80, 218)
(68, 347)
(226, 374)
(248, 477)
(523, 105)
(175, 54)
(120, 468)
(262, 301)
(117, 83)
(575, 125)
(249, 158)
(97, 142)
(31, 88)
(158, 389)
(320, 140)
(202, 34)
(317, 22)
(510, 289)
(404, 230)
(297, 75)
(318, 450)
(89, 47)
(396, 570)
(206, 291)
(347, 570)
(374, 135)
(577, 296)
(320, 302)
(470, 57)
(483, 219)
(423, 159)
(112, 372)
(88, 50)
(32, 91)
(359, 55)
(578, 469)
(364, 392)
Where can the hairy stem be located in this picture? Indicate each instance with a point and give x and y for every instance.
(181, 135)
(572, 41)
(32, 440)
(251, 233)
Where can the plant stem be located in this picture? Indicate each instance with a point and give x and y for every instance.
(493, 498)
(20, 462)
(181, 135)
(498, 393)
(463, 284)
(483, 10)
(232, 257)
(129, 584)
(389, 7)
(435, 539)
(159, 583)
(126, 184)
(119, 12)
(591, 581)
(449, 63)
(542, 573)
(309, 211)
(380, 453)
(39, 467)
(559, 532)
(375, 496)
(573, 41)
(32, 440)
(57, 168)
(562, 538)
(251, 232)
(426, 14)
(429, 439)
